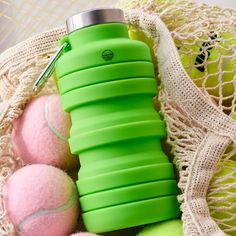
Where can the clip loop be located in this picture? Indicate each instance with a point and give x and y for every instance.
(47, 72)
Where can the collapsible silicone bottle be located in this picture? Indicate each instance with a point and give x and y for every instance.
(106, 82)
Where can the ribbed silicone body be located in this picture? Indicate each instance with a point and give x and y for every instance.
(107, 83)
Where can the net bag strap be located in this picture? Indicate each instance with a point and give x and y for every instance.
(196, 215)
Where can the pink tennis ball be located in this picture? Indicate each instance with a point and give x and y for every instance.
(41, 200)
(40, 134)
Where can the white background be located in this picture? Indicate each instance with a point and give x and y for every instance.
(223, 3)
(20, 19)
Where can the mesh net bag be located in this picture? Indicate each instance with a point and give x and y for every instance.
(196, 69)
(194, 46)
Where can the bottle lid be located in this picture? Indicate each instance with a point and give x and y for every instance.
(94, 17)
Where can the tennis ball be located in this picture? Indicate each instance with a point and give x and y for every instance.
(208, 57)
(41, 200)
(221, 197)
(234, 116)
(40, 134)
(137, 34)
(165, 228)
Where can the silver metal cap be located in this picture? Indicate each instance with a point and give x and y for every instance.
(94, 17)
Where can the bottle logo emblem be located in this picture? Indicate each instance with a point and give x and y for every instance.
(107, 55)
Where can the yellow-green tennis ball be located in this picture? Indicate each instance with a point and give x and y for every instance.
(221, 197)
(165, 228)
(209, 61)
(234, 116)
(134, 32)
(137, 34)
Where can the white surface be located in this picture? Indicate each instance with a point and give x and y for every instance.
(222, 3)
(20, 19)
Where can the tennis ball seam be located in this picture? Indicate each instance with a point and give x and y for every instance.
(42, 212)
(50, 126)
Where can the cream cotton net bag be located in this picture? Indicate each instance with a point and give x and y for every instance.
(193, 44)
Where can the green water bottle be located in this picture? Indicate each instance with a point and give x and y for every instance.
(106, 82)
